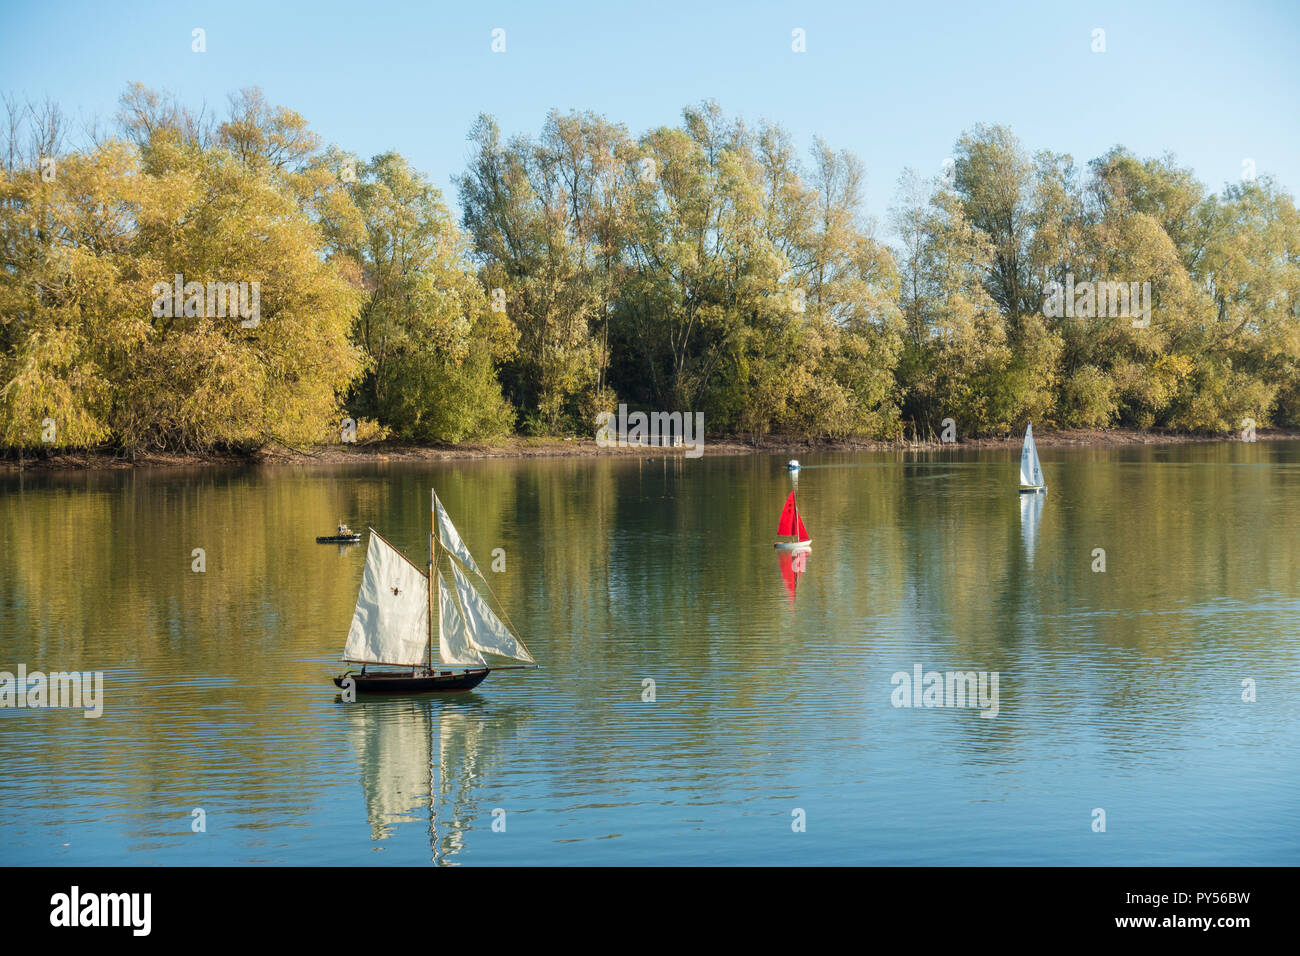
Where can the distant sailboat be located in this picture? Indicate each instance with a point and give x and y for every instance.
(396, 622)
(1031, 473)
(792, 525)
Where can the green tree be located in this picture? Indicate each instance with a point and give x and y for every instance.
(431, 340)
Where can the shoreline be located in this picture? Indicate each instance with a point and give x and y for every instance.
(100, 460)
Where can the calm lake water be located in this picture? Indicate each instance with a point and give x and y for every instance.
(1119, 690)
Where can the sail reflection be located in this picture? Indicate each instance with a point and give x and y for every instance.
(1031, 510)
(793, 564)
(391, 741)
(425, 760)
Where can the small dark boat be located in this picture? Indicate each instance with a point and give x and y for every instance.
(345, 535)
(404, 682)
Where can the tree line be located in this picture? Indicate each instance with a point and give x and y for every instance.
(709, 266)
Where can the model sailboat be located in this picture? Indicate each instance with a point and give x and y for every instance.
(792, 525)
(437, 634)
(1031, 473)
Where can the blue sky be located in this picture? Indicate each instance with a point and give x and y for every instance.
(896, 83)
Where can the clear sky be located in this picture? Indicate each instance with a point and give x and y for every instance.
(894, 82)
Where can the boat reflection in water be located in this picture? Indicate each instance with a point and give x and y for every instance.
(424, 759)
(793, 564)
(1031, 510)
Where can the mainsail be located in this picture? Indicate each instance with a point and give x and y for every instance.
(1031, 475)
(791, 521)
(788, 513)
(390, 624)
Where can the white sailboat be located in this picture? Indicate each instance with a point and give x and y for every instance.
(1031, 473)
(440, 645)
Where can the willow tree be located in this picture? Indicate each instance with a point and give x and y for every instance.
(97, 351)
(1249, 344)
(432, 341)
(705, 316)
(526, 216)
(855, 329)
(957, 361)
(992, 178)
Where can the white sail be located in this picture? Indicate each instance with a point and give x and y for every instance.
(454, 643)
(450, 539)
(1031, 475)
(486, 631)
(391, 622)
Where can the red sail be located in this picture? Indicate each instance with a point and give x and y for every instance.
(787, 517)
(803, 532)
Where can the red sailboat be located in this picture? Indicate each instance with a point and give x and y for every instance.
(792, 526)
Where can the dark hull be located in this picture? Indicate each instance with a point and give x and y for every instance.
(397, 682)
(339, 539)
